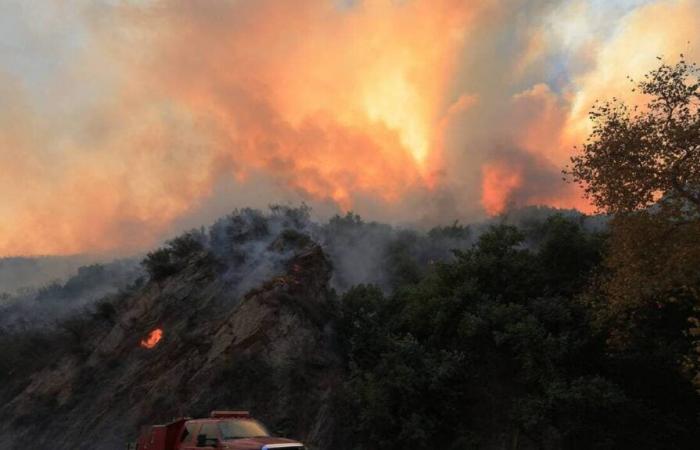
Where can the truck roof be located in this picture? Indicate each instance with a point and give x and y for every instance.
(230, 415)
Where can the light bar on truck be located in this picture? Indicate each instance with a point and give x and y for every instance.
(230, 414)
(281, 446)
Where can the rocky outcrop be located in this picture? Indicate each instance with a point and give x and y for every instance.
(269, 350)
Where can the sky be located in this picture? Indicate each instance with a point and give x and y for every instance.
(124, 122)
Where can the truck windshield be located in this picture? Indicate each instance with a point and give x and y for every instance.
(242, 428)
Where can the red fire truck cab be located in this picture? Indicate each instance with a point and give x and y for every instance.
(233, 430)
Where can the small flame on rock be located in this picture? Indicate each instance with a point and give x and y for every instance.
(153, 338)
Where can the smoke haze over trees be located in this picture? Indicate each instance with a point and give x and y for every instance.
(37, 291)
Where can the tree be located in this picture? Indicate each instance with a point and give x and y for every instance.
(493, 349)
(169, 260)
(567, 253)
(643, 164)
(638, 155)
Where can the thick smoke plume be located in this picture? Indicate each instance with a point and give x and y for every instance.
(124, 122)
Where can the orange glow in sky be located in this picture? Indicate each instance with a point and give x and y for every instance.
(498, 182)
(122, 125)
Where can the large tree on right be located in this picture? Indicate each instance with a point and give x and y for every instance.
(639, 156)
(642, 164)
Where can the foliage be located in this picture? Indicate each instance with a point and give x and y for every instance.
(634, 156)
(454, 231)
(172, 258)
(644, 164)
(494, 350)
(567, 253)
(647, 293)
(21, 353)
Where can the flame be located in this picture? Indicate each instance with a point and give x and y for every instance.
(351, 111)
(154, 337)
(498, 182)
(514, 182)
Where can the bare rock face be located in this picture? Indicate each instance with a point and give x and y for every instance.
(269, 350)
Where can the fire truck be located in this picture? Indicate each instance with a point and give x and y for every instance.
(232, 430)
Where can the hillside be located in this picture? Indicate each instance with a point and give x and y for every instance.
(355, 335)
(268, 351)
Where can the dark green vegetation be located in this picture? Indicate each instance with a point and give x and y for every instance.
(503, 348)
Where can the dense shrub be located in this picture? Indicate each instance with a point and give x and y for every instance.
(169, 260)
(496, 350)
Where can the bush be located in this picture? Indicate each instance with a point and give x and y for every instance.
(159, 264)
(172, 258)
(495, 348)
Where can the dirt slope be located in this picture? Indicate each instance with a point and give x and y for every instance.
(269, 350)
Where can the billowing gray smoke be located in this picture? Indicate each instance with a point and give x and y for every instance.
(250, 247)
(249, 241)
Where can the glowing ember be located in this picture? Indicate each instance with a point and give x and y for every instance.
(153, 338)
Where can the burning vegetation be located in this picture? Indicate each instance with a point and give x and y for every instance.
(153, 339)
